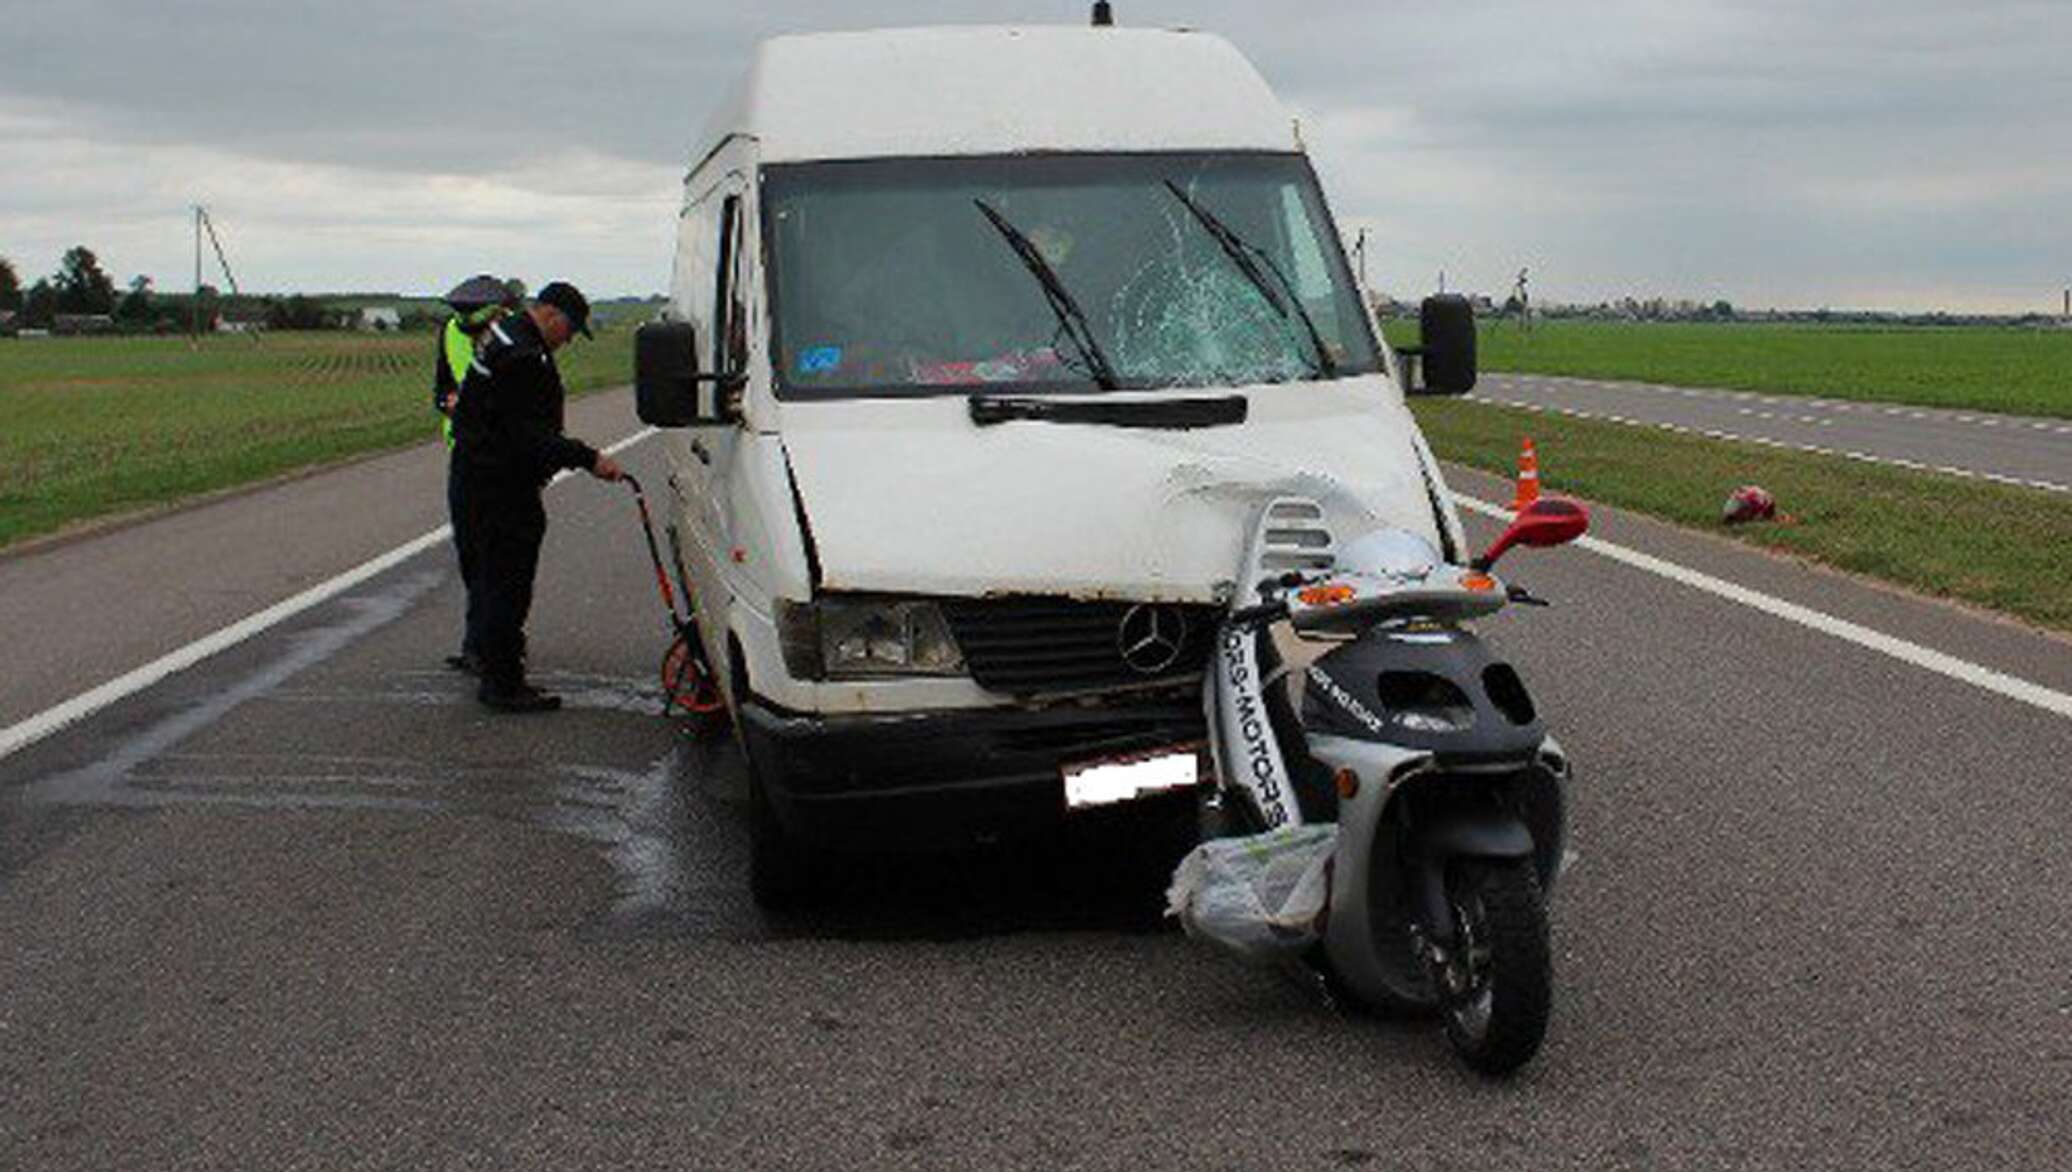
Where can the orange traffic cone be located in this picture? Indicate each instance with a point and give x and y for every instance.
(1528, 477)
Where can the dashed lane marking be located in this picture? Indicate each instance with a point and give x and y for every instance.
(1714, 433)
(1941, 415)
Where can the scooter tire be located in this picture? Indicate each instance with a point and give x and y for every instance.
(1498, 1025)
(1382, 1006)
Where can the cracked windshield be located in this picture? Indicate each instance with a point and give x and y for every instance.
(1058, 273)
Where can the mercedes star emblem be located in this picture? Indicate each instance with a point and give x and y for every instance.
(1150, 637)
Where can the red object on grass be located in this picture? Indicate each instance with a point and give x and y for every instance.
(1750, 502)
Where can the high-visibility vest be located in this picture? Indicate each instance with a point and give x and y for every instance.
(460, 354)
(460, 350)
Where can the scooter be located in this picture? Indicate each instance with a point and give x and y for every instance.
(1423, 747)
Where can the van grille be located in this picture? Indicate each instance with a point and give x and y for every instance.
(1032, 645)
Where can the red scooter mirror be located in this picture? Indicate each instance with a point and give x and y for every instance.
(1547, 521)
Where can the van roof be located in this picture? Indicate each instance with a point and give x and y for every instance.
(975, 90)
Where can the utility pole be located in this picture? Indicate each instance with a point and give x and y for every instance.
(202, 223)
(194, 325)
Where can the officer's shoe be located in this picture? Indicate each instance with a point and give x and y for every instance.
(518, 697)
(467, 663)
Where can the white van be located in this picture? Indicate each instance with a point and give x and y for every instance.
(985, 347)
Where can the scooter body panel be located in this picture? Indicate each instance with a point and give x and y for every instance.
(1406, 819)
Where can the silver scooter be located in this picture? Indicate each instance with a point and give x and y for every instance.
(1426, 750)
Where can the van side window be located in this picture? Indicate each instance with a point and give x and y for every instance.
(729, 307)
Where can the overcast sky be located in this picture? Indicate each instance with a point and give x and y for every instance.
(1898, 154)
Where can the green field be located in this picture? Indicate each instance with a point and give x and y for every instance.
(96, 426)
(1979, 368)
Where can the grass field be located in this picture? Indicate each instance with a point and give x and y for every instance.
(2019, 371)
(1996, 546)
(95, 426)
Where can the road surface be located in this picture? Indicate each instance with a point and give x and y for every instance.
(2009, 449)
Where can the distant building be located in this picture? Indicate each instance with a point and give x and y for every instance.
(380, 317)
(82, 323)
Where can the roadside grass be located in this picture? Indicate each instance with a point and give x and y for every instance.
(1978, 368)
(91, 427)
(1984, 543)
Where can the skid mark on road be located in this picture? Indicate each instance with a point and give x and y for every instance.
(101, 782)
(22, 734)
(666, 829)
(446, 689)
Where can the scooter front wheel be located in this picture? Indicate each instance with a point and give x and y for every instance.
(1497, 988)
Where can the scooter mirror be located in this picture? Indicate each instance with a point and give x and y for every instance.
(1547, 521)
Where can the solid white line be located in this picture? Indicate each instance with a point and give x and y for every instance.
(24, 733)
(1923, 657)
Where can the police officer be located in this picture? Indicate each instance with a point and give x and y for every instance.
(507, 445)
(477, 302)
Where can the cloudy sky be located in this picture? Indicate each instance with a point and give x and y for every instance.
(1899, 154)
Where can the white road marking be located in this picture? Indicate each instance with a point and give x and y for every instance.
(1941, 415)
(1927, 658)
(24, 733)
(1866, 457)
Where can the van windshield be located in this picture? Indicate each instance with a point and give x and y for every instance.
(1056, 272)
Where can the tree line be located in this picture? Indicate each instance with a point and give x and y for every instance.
(82, 290)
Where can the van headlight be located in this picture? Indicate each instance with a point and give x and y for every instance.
(839, 638)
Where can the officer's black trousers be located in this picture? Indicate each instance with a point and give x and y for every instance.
(470, 640)
(499, 527)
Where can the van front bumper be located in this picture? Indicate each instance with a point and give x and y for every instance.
(942, 779)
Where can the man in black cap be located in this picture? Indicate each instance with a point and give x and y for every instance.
(507, 445)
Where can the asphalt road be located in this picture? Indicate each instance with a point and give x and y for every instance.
(2012, 449)
(305, 905)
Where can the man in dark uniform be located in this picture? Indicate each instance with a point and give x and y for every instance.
(477, 303)
(507, 445)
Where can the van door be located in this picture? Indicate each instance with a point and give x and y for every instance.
(717, 283)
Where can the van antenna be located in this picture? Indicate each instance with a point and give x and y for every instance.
(1104, 15)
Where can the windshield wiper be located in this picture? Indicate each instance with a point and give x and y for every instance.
(1246, 256)
(1071, 320)
(1160, 414)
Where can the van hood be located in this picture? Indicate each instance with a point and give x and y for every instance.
(909, 496)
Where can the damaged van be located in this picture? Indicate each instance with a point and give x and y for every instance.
(985, 347)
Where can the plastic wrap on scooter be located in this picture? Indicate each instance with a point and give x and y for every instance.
(1261, 896)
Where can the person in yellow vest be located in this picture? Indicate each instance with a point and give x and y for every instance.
(477, 304)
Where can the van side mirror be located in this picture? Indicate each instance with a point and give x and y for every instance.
(668, 390)
(1447, 350)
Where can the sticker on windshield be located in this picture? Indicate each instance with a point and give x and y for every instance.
(820, 359)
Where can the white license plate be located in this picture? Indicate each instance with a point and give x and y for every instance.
(1120, 779)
